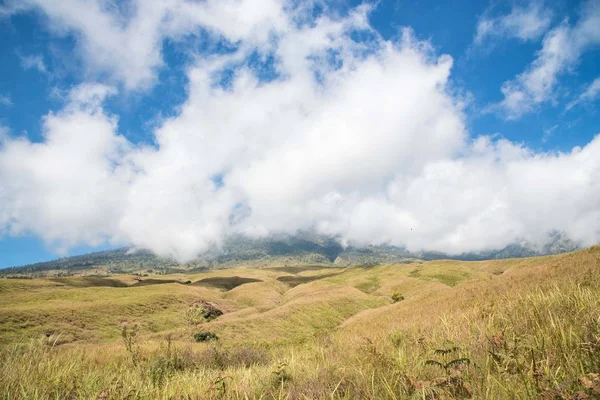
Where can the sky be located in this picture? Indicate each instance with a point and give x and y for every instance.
(448, 126)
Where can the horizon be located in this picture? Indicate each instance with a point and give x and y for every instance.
(557, 244)
(454, 128)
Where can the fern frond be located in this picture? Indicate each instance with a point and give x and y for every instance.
(457, 362)
(434, 363)
(445, 351)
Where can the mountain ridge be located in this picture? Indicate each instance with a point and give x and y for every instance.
(297, 249)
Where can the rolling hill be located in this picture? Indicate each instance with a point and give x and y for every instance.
(496, 329)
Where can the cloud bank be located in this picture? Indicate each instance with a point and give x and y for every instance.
(334, 130)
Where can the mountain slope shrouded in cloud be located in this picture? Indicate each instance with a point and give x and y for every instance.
(298, 250)
(295, 119)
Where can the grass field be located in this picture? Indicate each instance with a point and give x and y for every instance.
(506, 329)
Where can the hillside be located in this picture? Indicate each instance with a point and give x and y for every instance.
(300, 249)
(499, 329)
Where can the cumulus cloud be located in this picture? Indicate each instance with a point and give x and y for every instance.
(561, 50)
(524, 23)
(350, 135)
(68, 188)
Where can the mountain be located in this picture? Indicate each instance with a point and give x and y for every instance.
(301, 249)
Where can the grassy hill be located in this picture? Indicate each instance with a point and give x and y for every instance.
(499, 329)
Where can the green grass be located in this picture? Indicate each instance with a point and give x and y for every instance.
(507, 329)
(369, 285)
(448, 279)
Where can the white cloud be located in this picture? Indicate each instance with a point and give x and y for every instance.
(67, 189)
(590, 94)
(362, 140)
(33, 62)
(125, 39)
(525, 23)
(5, 100)
(561, 50)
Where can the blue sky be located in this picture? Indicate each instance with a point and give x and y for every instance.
(519, 92)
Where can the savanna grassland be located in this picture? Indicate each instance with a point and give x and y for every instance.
(504, 329)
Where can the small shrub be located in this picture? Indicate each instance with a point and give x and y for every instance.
(220, 386)
(453, 382)
(281, 374)
(130, 340)
(214, 357)
(396, 297)
(211, 312)
(166, 363)
(199, 313)
(194, 315)
(205, 336)
(160, 370)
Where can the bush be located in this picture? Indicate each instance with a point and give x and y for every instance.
(199, 313)
(210, 312)
(163, 366)
(205, 336)
(396, 297)
(132, 346)
(281, 374)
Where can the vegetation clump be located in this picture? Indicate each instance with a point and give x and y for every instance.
(455, 367)
(165, 364)
(281, 373)
(202, 312)
(130, 339)
(205, 336)
(396, 297)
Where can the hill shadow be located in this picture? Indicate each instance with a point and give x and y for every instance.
(295, 269)
(90, 281)
(294, 281)
(225, 282)
(148, 282)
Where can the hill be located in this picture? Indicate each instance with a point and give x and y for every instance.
(301, 249)
(440, 329)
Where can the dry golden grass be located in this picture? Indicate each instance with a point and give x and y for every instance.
(506, 329)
